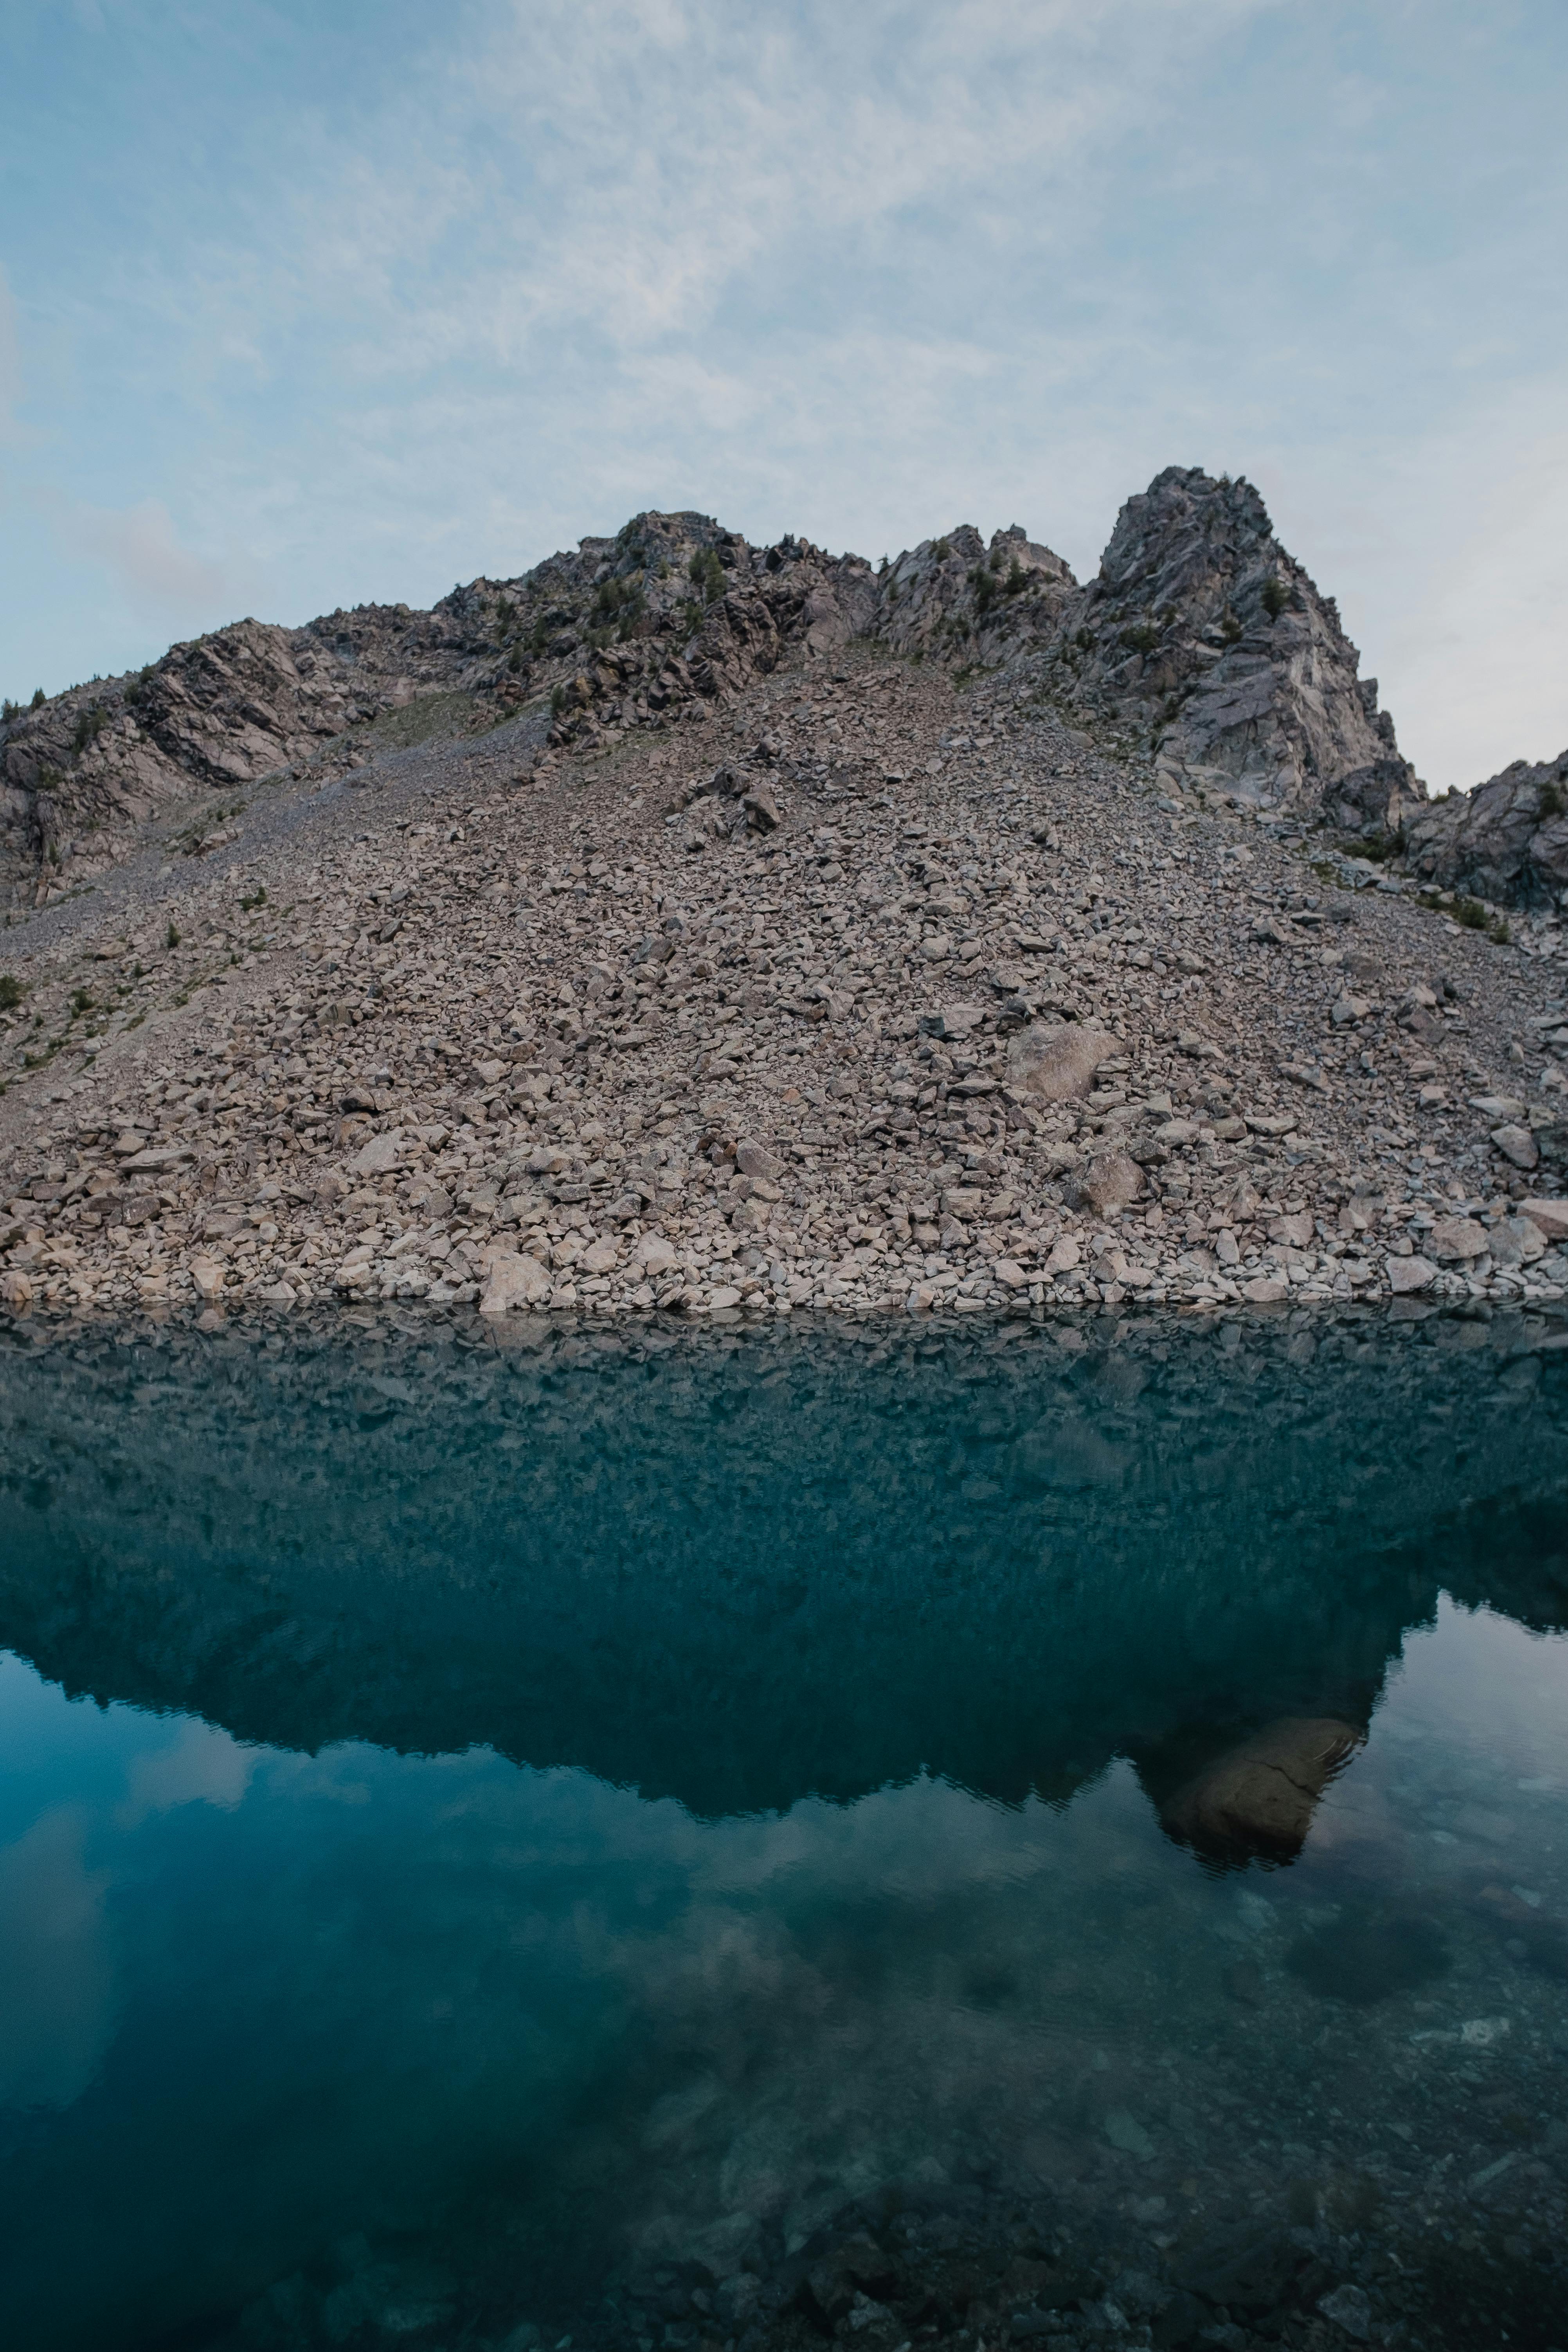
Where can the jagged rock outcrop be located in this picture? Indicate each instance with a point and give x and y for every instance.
(955, 596)
(1202, 627)
(1199, 628)
(1506, 841)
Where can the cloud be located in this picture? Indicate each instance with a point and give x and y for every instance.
(203, 1766)
(143, 552)
(58, 1992)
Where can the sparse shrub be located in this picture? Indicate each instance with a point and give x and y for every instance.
(1276, 596)
(987, 587)
(706, 573)
(39, 698)
(9, 711)
(1554, 800)
(90, 725)
(557, 700)
(942, 550)
(1017, 577)
(1471, 914)
(1143, 639)
(1230, 628)
(172, 936)
(82, 1000)
(256, 899)
(11, 992)
(1497, 932)
(1084, 640)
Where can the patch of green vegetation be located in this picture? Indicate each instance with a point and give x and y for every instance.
(90, 725)
(705, 574)
(942, 550)
(11, 992)
(82, 1000)
(1472, 915)
(1230, 628)
(432, 718)
(1142, 639)
(258, 898)
(172, 936)
(1276, 596)
(39, 698)
(1554, 801)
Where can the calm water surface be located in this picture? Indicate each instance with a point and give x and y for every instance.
(497, 1841)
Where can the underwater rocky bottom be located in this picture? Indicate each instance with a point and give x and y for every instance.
(1048, 1835)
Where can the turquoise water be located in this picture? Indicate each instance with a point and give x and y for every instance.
(496, 1844)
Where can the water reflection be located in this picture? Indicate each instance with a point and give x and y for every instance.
(527, 1827)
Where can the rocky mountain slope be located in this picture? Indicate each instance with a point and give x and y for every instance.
(1201, 638)
(804, 975)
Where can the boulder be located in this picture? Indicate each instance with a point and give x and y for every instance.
(513, 1280)
(753, 1159)
(857, 2266)
(1055, 1060)
(1259, 1797)
(1407, 1274)
(1111, 1181)
(1517, 1241)
(1551, 1216)
(1458, 1237)
(1517, 1144)
(380, 1156)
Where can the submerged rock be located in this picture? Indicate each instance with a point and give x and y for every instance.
(1259, 1798)
(1367, 1959)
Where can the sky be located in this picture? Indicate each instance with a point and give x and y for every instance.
(306, 303)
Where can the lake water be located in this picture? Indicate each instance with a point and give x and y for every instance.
(514, 1836)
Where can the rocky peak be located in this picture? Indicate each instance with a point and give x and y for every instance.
(1202, 627)
(1506, 841)
(1199, 628)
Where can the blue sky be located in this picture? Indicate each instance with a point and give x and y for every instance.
(306, 305)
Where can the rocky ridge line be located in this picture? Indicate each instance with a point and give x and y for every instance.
(1200, 637)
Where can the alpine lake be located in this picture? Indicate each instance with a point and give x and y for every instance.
(520, 1837)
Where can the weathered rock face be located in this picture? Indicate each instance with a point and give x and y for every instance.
(673, 608)
(1203, 628)
(1506, 841)
(1200, 628)
(955, 596)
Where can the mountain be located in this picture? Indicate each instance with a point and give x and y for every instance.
(1200, 638)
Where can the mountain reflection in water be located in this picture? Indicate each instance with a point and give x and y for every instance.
(552, 1809)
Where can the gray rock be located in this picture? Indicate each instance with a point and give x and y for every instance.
(1110, 1182)
(1055, 1060)
(514, 1280)
(1348, 2307)
(1517, 1144)
(1506, 841)
(1196, 606)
